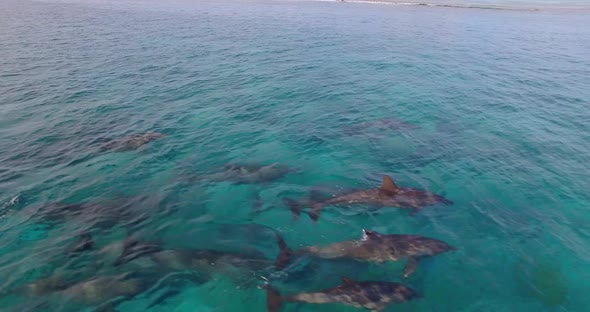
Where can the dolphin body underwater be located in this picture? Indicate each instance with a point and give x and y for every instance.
(387, 195)
(85, 242)
(103, 292)
(379, 124)
(372, 295)
(99, 290)
(101, 215)
(250, 173)
(131, 142)
(205, 262)
(372, 247)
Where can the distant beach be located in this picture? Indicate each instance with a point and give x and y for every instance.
(475, 4)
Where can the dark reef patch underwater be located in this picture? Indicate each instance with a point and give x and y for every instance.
(153, 155)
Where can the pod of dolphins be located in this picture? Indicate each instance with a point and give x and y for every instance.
(107, 290)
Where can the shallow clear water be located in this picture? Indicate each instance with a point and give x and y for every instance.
(499, 100)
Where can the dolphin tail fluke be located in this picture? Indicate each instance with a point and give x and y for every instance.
(85, 242)
(163, 298)
(445, 201)
(274, 300)
(410, 267)
(314, 213)
(285, 253)
(110, 306)
(133, 249)
(258, 202)
(295, 206)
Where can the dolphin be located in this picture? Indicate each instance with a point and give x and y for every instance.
(45, 286)
(131, 142)
(372, 247)
(84, 243)
(102, 215)
(91, 287)
(132, 249)
(102, 290)
(204, 261)
(387, 195)
(372, 295)
(250, 173)
(380, 124)
(60, 212)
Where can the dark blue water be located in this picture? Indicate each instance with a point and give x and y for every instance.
(489, 108)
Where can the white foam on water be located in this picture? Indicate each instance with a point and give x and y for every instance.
(8, 204)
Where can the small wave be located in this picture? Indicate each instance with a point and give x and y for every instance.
(8, 204)
(441, 5)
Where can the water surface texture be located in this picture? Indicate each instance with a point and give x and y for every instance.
(488, 108)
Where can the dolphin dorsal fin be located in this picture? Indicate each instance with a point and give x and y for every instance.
(367, 234)
(347, 281)
(388, 184)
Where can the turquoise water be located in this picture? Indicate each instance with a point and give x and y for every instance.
(499, 101)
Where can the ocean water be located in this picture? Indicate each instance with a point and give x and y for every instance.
(494, 105)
